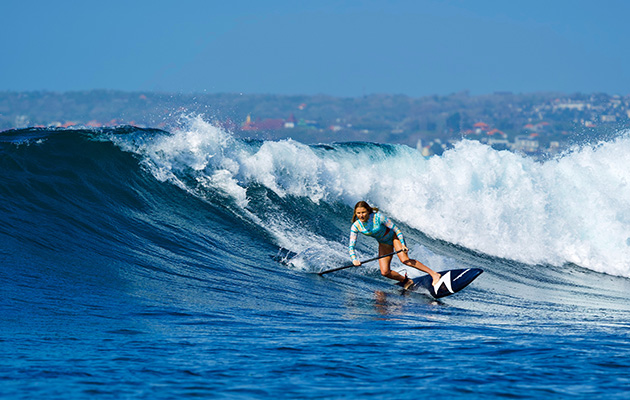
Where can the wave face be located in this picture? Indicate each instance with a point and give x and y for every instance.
(138, 263)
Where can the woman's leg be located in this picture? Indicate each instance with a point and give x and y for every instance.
(385, 262)
(404, 258)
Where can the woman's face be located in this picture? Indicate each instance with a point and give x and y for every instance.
(362, 214)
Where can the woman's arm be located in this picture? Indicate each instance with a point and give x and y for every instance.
(352, 243)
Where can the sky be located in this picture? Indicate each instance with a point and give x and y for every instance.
(332, 47)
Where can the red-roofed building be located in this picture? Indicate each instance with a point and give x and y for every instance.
(496, 132)
(481, 127)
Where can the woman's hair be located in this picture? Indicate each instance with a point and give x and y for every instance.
(362, 204)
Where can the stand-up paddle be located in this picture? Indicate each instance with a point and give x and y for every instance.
(362, 262)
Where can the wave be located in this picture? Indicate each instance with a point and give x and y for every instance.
(573, 209)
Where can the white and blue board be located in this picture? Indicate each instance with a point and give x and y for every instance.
(451, 281)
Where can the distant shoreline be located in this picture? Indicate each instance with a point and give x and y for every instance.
(528, 122)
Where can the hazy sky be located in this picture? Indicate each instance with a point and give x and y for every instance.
(336, 47)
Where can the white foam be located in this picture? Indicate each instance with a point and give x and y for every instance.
(575, 208)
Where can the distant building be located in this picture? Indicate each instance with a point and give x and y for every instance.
(307, 123)
(480, 127)
(268, 124)
(290, 123)
(248, 125)
(335, 128)
(527, 144)
(570, 106)
(536, 127)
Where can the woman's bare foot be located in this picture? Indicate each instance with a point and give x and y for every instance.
(408, 284)
(436, 278)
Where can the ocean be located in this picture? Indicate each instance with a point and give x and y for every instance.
(149, 264)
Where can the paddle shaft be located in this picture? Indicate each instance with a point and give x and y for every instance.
(362, 262)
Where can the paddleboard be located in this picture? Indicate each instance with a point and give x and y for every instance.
(451, 281)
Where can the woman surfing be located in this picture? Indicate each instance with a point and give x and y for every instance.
(371, 222)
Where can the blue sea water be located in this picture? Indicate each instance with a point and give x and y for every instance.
(139, 263)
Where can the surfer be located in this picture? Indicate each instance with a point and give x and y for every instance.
(371, 222)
